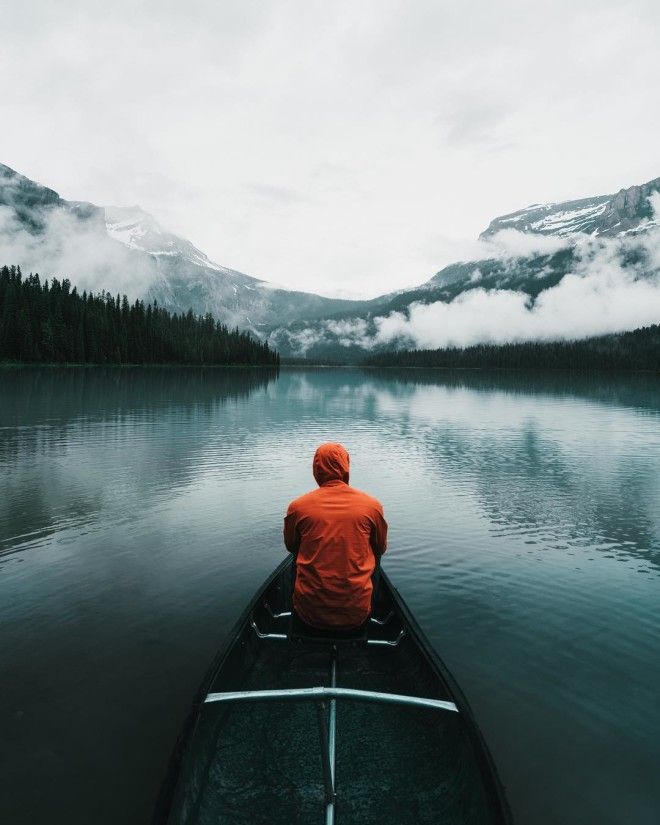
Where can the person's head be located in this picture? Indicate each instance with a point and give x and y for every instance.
(331, 463)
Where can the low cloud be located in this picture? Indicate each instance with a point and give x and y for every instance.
(613, 286)
(510, 243)
(604, 293)
(58, 242)
(579, 307)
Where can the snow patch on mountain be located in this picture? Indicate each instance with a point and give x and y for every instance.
(137, 229)
(557, 219)
(569, 221)
(624, 213)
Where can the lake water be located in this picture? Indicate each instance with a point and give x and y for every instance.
(141, 508)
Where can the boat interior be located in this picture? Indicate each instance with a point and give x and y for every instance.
(325, 728)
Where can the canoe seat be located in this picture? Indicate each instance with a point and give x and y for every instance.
(301, 632)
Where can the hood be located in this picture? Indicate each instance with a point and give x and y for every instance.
(331, 463)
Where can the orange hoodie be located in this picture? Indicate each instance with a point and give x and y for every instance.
(336, 532)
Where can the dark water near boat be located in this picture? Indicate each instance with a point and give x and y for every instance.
(140, 509)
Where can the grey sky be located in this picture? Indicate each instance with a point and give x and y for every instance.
(344, 147)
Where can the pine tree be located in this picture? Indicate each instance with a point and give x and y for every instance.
(51, 322)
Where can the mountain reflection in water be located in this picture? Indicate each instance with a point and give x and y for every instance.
(141, 508)
(57, 413)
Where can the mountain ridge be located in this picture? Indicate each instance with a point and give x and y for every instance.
(627, 210)
(577, 238)
(114, 242)
(165, 267)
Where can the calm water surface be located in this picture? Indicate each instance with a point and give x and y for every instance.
(140, 509)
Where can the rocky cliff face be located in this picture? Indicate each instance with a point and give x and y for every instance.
(629, 211)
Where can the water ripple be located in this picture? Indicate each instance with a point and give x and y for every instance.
(142, 508)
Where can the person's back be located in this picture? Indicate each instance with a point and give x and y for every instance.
(336, 533)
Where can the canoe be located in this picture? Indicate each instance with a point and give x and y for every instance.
(292, 728)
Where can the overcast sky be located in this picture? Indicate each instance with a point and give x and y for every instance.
(339, 147)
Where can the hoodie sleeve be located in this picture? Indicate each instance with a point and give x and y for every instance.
(378, 538)
(291, 535)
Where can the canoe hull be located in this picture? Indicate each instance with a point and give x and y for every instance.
(260, 762)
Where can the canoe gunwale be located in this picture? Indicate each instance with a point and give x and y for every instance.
(482, 752)
(165, 797)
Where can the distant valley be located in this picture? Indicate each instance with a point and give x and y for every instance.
(532, 267)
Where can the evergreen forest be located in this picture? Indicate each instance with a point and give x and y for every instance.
(637, 350)
(52, 323)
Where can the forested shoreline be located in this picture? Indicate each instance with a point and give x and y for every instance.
(636, 350)
(50, 322)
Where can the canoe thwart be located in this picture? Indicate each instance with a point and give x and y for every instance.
(320, 694)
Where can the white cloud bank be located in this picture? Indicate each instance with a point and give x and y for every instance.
(614, 286)
(578, 307)
(75, 248)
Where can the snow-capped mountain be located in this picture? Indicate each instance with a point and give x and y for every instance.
(613, 240)
(124, 249)
(137, 229)
(629, 211)
(610, 239)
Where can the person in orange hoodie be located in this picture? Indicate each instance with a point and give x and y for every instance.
(336, 534)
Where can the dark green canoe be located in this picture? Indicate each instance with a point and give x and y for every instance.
(371, 729)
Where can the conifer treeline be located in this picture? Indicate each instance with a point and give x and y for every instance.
(637, 350)
(52, 323)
